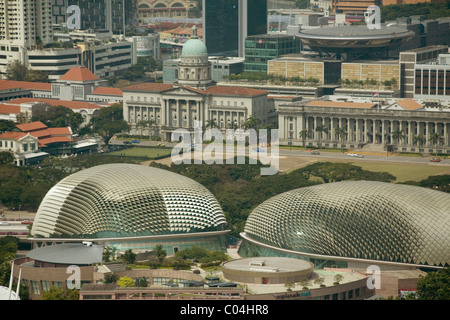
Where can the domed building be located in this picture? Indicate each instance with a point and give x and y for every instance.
(354, 224)
(131, 207)
(194, 69)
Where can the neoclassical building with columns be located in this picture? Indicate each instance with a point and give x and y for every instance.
(194, 97)
(366, 125)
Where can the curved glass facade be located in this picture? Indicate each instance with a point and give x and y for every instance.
(359, 220)
(126, 200)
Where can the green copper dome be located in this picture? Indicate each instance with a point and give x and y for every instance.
(194, 46)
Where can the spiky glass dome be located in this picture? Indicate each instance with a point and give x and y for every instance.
(124, 200)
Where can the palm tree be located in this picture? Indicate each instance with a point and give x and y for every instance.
(252, 123)
(398, 135)
(435, 139)
(211, 124)
(304, 134)
(420, 140)
(321, 128)
(341, 132)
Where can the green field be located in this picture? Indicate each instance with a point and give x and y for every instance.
(143, 152)
(405, 171)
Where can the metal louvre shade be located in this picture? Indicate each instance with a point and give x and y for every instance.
(358, 219)
(122, 200)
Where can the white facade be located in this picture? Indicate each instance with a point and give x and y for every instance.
(364, 124)
(23, 24)
(146, 46)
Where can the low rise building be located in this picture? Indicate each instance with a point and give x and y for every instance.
(32, 142)
(365, 122)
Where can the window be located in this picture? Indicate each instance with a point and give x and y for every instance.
(35, 287)
(45, 285)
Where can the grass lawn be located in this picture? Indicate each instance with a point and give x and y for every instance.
(404, 171)
(148, 152)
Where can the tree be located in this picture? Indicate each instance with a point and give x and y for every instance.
(55, 293)
(36, 76)
(341, 133)
(211, 124)
(398, 135)
(109, 253)
(304, 134)
(111, 278)
(141, 282)
(338, 278)
(129, 256)
(252, 123)
(125, 282)
(319, 281)
(16, 70)
(289, 285)
(436, 138)
(160, 252)
(6, 157)
(320, 129)
(419, 140)
(435, 285)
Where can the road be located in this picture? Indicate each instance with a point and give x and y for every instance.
(367, 157)
(332, 155)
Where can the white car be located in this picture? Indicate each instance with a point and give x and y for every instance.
(357, 155)
(352, 154)
(4, 223)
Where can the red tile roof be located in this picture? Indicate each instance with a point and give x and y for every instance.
(149, 86)
(13, 135)
(26, 85)
(340, 104)
(64, 131)
(409, 104)
(79, 74)
(54, 102)
(46, 141)
(7, 109)
(26, 127)
(235, 91)
(108, 91)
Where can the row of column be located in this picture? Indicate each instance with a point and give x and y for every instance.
(359, 130)
(220, 117)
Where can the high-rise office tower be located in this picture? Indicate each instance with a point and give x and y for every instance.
(24, 23)
(226, 24)
(95, 14)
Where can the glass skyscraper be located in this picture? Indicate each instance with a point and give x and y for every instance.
(226, 24)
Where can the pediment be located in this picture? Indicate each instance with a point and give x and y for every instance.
(184, 91)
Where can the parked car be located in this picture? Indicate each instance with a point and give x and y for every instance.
(315, 152)
(135, 141)
(356, 155)
(434, 159)
(126, 142)
(4, 223)
(160, 145)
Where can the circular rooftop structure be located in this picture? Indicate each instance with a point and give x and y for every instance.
(267, 270)
(346, 39)
(126, 200)
(68, 254)
(194, 46)
(355, 221)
